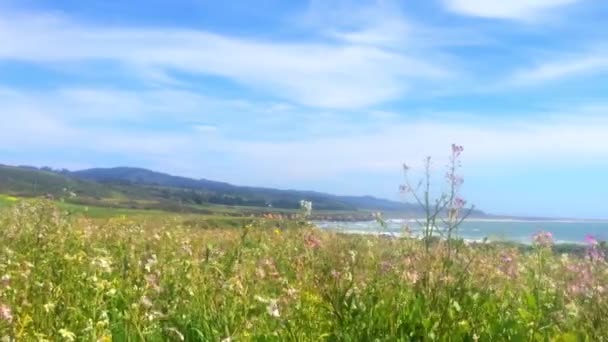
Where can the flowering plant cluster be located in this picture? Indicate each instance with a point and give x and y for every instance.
(68, 278)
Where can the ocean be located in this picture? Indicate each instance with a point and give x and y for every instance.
(520, 231)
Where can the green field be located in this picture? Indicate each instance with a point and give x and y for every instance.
(70, 274)
(7, 201)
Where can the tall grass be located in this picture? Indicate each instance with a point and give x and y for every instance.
(68, 278)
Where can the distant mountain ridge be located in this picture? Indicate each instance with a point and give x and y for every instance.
(143, 188)
(140, 176)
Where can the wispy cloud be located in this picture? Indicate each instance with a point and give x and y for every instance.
(537, 142)
(563, 68)
(336, 143)
(349, 73)
(507, 9)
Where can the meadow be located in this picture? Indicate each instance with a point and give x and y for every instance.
(70, 277)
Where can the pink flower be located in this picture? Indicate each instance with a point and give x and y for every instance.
(509, 264)
(457, 149)
(6, 313)
(386, 266)
(590, 240)
(312, 242)
(459, 203)
(455, 179)
(543, 239)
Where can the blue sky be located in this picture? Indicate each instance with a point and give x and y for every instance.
(322, 95)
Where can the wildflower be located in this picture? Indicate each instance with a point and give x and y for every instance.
(404, 189)
(353, 256)
(103, 263)
(593, 250)
(5, 280)
(259, 271)
(273, 308)
(272, 305)
(590, 240)
(153, 282)
(543, 239)
(291, 292)
(412, 277)
(67, 335)
(150, 263)
(312, 242)
(146, 302)
(386, 266)
(306, 207)
(600, 289)
(457, 149)
(48, 307)
(5, 313)
(104, 320)
(268, 266)
(186, 248)
(572, 309)
(154, 315)
(260, 299)
(459, 203)
(509, 267)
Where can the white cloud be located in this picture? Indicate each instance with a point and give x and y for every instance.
(559, 69)
(335, 143)
(349, 73)
(205, 128)
(505, 9)
(532, 142)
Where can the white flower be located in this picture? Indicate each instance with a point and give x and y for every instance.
(103, 263)
(146, 302)
(273, 308)
(48, 307)
(150, 263)
(306, 207)
(6, 279)
(67, 335)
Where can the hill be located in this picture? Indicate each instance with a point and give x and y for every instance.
(137, 188)
(30, 181)
(215, 192)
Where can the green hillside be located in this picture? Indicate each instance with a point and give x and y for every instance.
(20, 181)
(143, 189)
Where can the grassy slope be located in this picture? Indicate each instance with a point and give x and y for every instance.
(24, 182)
